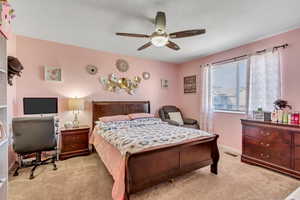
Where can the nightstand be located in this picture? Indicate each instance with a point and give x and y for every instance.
(74, 142)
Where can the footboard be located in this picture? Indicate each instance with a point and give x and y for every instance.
(148, 168)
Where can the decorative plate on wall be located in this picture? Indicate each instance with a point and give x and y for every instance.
(146, 75)
(91, 69)
(122, 65)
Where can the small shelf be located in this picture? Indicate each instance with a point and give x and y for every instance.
(3, 141)
(3, 106)
(3, 183)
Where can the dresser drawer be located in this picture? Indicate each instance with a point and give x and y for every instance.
(74, 142)
(297, 152)
(297, 164)
(275, 153)
(297, 139)
(75, 138)
(268, 135)
(252, 131)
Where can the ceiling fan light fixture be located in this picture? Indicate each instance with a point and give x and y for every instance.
(159, 40)
(160, 37)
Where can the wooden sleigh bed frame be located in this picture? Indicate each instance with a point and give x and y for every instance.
(152, 166)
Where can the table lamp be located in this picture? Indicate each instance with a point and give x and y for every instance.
(76, 104)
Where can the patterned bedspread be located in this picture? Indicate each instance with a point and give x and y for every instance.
(137, 135)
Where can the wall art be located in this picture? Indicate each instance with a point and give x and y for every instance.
(190, 84)
(53, 74)
(164, 83)
(113, 83)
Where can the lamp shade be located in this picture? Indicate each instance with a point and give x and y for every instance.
(76, 104)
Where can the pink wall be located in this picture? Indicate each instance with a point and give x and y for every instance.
(228, 125)
(34, 54)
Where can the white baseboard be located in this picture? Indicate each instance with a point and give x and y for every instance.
(230, 149)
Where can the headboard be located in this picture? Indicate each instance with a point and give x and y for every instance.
(109, 108)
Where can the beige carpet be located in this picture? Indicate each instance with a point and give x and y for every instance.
(85, 178)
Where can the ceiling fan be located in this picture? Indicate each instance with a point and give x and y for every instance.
(160, 37)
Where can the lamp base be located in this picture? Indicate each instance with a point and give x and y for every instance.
(76, 121)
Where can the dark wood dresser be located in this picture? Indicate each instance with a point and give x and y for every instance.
(74, 142)
(273, 146)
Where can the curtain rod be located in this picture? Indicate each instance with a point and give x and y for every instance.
(243, 56)
(230, 59)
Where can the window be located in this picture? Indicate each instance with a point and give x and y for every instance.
(229, 86)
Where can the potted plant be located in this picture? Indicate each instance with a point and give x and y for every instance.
(281, 104)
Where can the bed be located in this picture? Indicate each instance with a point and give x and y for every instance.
(133, 172)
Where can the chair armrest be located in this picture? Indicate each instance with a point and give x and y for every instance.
(189, 121)
(171, 122)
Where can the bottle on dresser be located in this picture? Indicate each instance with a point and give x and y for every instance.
(295, 118)
(281, 112)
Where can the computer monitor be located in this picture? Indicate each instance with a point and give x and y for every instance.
(40, 106)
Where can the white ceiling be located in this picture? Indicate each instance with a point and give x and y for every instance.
(93, 23)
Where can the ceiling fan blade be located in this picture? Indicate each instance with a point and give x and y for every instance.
(133, 35)
(173, 46)
(160, 22)
(145, 46)
(187, 33)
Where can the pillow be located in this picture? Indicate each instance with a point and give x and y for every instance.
(114, 118)
(140, 115)
(176, 116)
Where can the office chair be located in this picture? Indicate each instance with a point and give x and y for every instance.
(34, 135)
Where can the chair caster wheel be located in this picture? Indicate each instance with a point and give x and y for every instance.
(31, 177)
(171, 180)
(16, 174)
(55, 168)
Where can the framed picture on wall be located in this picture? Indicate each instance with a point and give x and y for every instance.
(53, 74)
(164, 83)
(190, 84)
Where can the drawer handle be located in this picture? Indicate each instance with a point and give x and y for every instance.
(262, 132)
(266, 145)
(265, 134)
(264, 156)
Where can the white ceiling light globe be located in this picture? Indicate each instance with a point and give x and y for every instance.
(159, 40)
